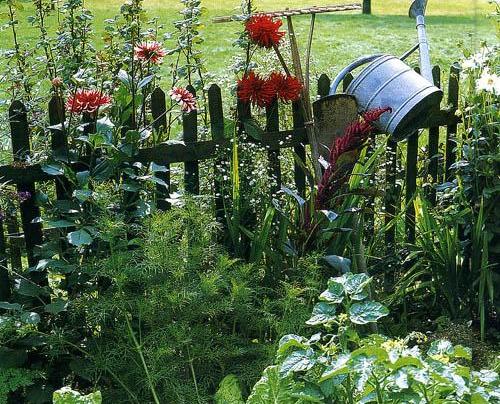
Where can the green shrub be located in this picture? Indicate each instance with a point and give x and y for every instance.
(179, 314)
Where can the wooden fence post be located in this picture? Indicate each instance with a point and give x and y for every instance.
(323, 85)
(300, 152)
(274, 169)
(190, 134)
(391, 198)
(217, 126)
(367, 7)
(451, 130)
(411, 185)
(158, 111)
(434, 146)
(29, 210)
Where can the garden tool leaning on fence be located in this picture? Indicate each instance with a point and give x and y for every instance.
(389, 82)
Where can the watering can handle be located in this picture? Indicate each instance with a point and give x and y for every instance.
(346, 70)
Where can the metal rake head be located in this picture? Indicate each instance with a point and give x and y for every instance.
(417, 8)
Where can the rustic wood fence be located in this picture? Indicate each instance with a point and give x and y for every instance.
(18, 239)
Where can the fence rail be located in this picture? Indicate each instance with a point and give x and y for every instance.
(191, 151)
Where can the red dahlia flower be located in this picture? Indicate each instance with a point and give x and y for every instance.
(256, 90)
(287, 88)
(184, 98)
(263, 30)
(344, 154)
(86, 101)
(150, 51)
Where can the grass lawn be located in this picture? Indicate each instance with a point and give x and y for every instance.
(339, 37)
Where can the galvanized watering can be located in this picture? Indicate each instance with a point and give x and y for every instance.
(389, 82)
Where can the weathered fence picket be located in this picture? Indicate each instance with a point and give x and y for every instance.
(159, 114)
(190, 135)
(216, 112)
(32, 229)
(451, 129)
(433, 146)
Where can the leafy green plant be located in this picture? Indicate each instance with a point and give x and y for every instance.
(66, 395)
(339, 365)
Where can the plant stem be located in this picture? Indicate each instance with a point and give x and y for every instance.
(143, 360)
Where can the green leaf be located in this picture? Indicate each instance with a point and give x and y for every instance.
(28, 288)
(79, 238)
(338, 366)
(323, 312)
(10, 358)
(298, 361)
(253, 129)
(68, 396)
(53, 169)
(229, 391)
(334, 293)
(271, 388)
(367, 312)
(441, 347)
(57, 306)
(291, 341)
(340, 263)
(11, 306)
(30, 317)
(463, 352)
(60, 224)
(145, 81)
(82, 195)
(355, 285)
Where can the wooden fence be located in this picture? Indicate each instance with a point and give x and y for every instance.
(26, 176)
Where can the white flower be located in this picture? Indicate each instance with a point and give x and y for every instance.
(488, 82)
(477, 60)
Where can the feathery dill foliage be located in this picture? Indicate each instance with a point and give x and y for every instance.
(197, 313)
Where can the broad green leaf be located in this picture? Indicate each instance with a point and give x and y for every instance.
(30, 317)
(79, 238)
(272, 388)
(441, 347)
(338, 366)
(10, 306)
(355, 285)
(334, 293)
(337, 262)
(298, 361)
(463, 352)
(53, 169)
(323, 312)
(12, 358)
(291, 341)
(367, 312)
(229, 391)
(60, 224)
(82, 195)
(57, 306)
(253, 129)
(28, 288)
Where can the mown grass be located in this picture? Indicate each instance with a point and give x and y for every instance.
(338, 39)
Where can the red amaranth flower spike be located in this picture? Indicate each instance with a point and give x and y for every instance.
(86, 101)
(264, 31)
(184, 98)
(287, 88)
(337, 172)
(150, 51)
(256, 90)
